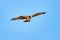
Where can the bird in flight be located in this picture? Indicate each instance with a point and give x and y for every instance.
(28, 18)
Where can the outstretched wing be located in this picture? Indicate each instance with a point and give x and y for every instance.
(39, 13)
(27, 18)
(17, 18)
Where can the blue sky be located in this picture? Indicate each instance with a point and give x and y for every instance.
(44, 27)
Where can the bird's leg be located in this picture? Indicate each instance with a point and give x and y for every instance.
(27, 21)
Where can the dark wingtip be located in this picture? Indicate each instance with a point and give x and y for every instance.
(12, 19)
(43, 12)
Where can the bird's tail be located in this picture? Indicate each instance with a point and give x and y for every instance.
(39, 13)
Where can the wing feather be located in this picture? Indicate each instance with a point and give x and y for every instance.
(37, 14)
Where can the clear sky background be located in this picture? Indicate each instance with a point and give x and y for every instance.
(44, 27)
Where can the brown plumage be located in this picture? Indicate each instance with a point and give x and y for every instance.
(27, 18)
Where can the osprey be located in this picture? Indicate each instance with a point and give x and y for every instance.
(27, 18)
